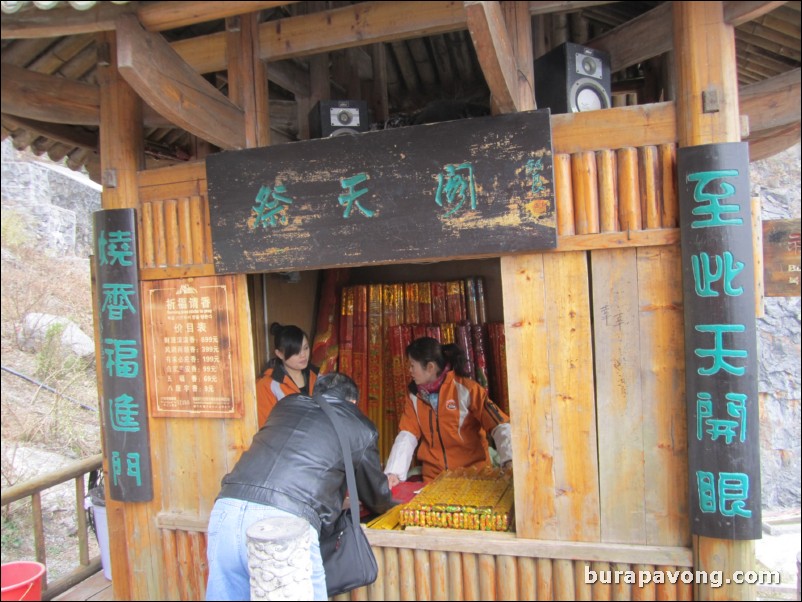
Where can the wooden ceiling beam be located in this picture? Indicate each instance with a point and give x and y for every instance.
(738, 13)
(642, 38)
(772, 102)
(174, 88)
(155, 16)
(553, 6)
(494, 50)
(48, 98)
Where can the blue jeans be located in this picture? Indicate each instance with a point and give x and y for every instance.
(227, 550)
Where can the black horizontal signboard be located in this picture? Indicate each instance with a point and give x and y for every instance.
(469, 188)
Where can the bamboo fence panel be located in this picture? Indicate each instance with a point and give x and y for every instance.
(586, 192)
(171, 578)
(545, 579)
(391, 575)
(527, 579)
(582, 589)
(509, 577)
(470, 577)
(406, 574)
(423, 575)
(506, 578)
(608, 199)
(650, 187)
(454, 577)
(668, 168)
(564, 195)
(487, 577)
(629, 204)
(619, 401)
(439, 563)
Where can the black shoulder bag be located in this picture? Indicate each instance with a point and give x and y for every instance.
(347, 556)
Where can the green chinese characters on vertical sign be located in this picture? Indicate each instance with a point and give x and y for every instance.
(125, 416)
(468, 188)
(720, 341)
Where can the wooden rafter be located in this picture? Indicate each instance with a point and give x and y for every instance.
(346, 27)
(68, 135)
(494, 50)
(764, 144)
(154, 16)
(771, 103)
(635, 41)
(174, 88)
(738, 13)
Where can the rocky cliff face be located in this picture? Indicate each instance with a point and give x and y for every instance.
(56, 202)
(776, 181)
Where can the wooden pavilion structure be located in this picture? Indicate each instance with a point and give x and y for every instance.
(141, 93)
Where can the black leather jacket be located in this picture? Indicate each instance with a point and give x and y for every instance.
(295, 462)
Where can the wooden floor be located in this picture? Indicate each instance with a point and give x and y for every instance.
(97, 587)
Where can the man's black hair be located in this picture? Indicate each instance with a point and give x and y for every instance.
(336, 384)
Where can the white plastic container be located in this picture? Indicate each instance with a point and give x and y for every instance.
(98, 505)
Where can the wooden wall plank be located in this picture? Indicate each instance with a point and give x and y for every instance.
(171, 230)
(570, 364)
(146, 247)
(618, 390)
(662, 356)
(523, 289)
(184, 231)
(621, 590)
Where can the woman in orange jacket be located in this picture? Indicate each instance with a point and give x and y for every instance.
(448, 413)
(289, 372)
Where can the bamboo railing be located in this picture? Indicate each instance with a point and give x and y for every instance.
(33, 489)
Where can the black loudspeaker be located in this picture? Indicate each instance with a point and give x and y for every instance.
(573, 79)
(337, 117)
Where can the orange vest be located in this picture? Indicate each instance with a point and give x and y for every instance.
(454, 436)
(276, 384)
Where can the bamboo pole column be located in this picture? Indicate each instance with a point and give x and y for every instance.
(707, 112)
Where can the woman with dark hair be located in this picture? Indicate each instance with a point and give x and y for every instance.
(289, 372)
(449, 413)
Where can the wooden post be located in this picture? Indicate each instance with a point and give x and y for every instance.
(247, 78)
(707, 112)
(121, 156)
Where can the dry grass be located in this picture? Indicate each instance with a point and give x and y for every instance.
(42, 430)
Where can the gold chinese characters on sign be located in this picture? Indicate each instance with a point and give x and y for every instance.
(190, 322)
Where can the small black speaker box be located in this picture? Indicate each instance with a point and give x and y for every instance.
(572, 79)
(337, 117)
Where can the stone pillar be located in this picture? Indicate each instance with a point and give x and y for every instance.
(278, 558)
